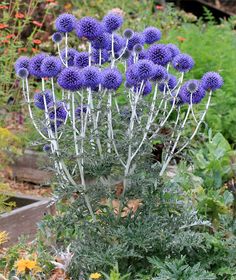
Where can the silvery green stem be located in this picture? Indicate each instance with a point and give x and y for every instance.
(198, 125)
(149, 122)
(130, 135)
(80, 161)
(173, 133)
(90, 53)
(59, 54)
(110, 128)
(123, 51)
(95, 125)
(26, 94)
(112, 51)
(165, 164)
(117, 106)
(191, 104)
(66, 48)
(54, 108)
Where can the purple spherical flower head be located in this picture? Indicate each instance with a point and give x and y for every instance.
(118, 43)
(171, 83)
(65, 23)
(35, 65)
(151, 35)
(51, 66)
(128, 33)
(147, 89)
(111, 78)
(112, 22)
(183, 62)
(173, 49)
(177, 100)
(81, 59)
(144, 69)
(159, 54)
(39, 99)
(160, 74)
(92, 76)
(47, 148)
(79, 110)
(23, 73)
(22, 62)
(71, 79)
(89, 28)
(96, 54)
(71, 53)
(61, 111)
(137, 38)
(132, 75)
(57, 37)
(192, 92)
(102, 41)
(138, 48)
(211, 81)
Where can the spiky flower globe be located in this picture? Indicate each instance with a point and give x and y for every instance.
(89, 28)
(173, 49)
(145, 69)
(91, 76)
(183, 62)
(70, 79)
(81, 59)
(137, 38)
(160, 74)
(111, 78)
(128, 33)
(57, 37)
(102, 41)
(71, 53)
(211, 81)
(61, 111)
(22, 62)
(51, 66)
(138, 48)
(39, 99)
(159, 54)
(96, 56)
(35, 65)
(192, 92)
(170, 84)
(65, 23)
(151, 35)
(145, 90)
(23, 73)
(112, 22)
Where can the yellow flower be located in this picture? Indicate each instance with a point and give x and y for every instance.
(25, 264)
(95, 275)
(3, 237)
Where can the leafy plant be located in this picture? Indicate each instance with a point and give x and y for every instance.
(178, 269)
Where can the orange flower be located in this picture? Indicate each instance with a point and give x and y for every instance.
(37, 41)
(50, 1)
(181, 39)
(19, 15)
(6, 41)
(39, 24)
(159, 7)
(20, 50)
(3, 7)
(34, 50)
(3, 25)
(9, 36)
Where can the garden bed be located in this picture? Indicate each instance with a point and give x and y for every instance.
(23, 219)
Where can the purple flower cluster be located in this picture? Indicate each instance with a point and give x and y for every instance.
(146, 63)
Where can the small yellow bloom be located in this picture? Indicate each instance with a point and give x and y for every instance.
(95, 275)
(26, 264)
(3, 237)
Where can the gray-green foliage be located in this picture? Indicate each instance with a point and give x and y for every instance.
(178, 269)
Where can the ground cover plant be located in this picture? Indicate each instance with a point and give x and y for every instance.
(98, 123)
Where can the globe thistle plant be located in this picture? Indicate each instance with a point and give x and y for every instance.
(101, 109)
